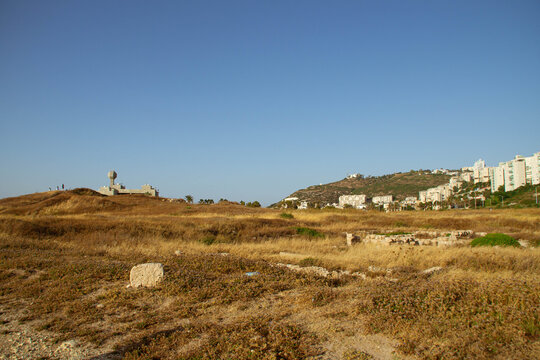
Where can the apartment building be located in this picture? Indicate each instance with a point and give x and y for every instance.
(532, 169)
(384, 199)
(516, 172)
(357, 201)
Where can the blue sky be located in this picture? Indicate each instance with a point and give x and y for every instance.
(252, 100)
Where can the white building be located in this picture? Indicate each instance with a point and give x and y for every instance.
(532, 169)
(516, 173)
(466, 176)
(303, 205)
(455, 182)
(496, 177)
(357, 201)
(384, 199)
(409, 201)
(481, 175)
(118, 189)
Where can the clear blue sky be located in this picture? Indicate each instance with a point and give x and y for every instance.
(252, 100)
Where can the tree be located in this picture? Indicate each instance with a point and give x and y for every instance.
(253, 204)
(189, 199)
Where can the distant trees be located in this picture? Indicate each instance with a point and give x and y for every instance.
(253, 204)
(189, 199)
(206, 201)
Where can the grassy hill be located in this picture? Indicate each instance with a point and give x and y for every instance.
(400, 185)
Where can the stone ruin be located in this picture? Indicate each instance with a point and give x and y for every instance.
(426, 238)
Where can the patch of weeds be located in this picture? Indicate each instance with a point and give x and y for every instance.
(309, 232)
(495, 239)
(286, 216)
(250, 338)
(309, 261)
(208, 239)
(323, 297)
(356, 355)
(427, 226)
(400, 224)
(531, 326)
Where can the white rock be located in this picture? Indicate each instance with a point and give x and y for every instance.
(432, 270)
(146, 275)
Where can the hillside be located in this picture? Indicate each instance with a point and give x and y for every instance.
(400, 185)
(250, 283)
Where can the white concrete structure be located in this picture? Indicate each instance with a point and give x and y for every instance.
(357, 201)
(532, 169)
(118, 189)
(303, 205)
(455, 182)
(384, 199)
(496, 177)
(466, 176)
(409, 201)
(481, 175)
(516, 173)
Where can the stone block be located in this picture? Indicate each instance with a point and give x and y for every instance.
(147, 275)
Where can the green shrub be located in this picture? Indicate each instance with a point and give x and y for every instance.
(495, 239)
(308, 232)
(286, 216)
(309, 261)
(208, 240)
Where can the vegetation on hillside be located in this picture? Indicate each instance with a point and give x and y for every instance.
(400, 185)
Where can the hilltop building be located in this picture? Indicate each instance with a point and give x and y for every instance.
(118, 189)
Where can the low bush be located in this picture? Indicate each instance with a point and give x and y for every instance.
(495, 239)
(208, 240)
(286, 216)
(309, 261)
(308, 232)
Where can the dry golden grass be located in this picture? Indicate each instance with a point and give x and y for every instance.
(65, 260)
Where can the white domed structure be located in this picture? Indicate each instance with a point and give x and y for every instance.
(118, 189)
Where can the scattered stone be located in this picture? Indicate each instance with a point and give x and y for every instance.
(177, 253)
(432, 270)
(524, 243)
(352, 239)
(416, 238)
(377, 269)
(252, 273)
(147, 275)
